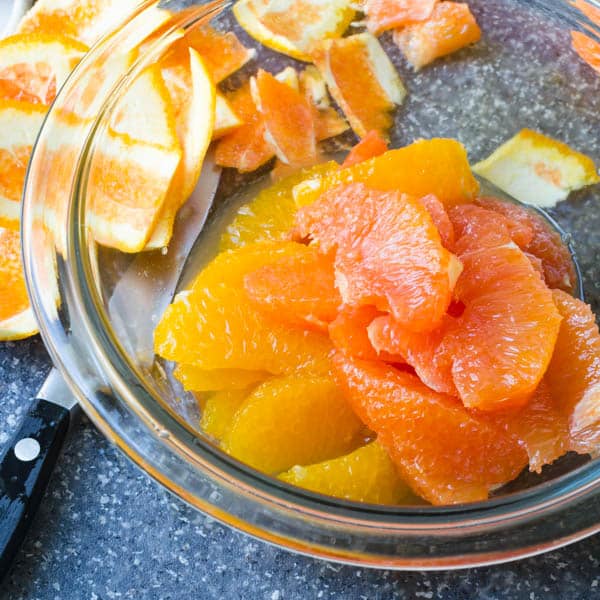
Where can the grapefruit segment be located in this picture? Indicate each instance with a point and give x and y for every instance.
(440, 218)
(574, 372)
(436, 166)
(33, 67)
(362, 80)
(297, 290)
(295, 26)
(20, 123)
(365, 475)
(370, 146)
(544, 244)
(387, 252)
(410, 420)
(17, 320)
(538, 170)
(291, 421)
(450, 27)
(390, 14)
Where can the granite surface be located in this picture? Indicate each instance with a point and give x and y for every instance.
(106, 531)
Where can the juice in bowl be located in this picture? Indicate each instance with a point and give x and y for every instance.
(383, 326)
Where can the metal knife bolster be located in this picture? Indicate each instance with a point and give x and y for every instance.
(56, 391)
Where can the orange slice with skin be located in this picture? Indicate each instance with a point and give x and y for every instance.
(20, 123)
(17, 320)
(537, 169)
(288, 119)
(295, 26)
(195, 102)
(226, 119)
(362, 80)
(33, 67)
(587, 48)
(83, 20)
(390, 14)
(451, 27)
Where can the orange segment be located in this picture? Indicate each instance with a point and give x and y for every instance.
(245, 149)
(214, 325)
(389, 14)
(270, 215)
(451, 27)
(33, 67)
(16, 317)
(84, 20)
(295, 26)
(365, 475)
(537, 169)
(437, 166)
(446, 454)
(298, 290)
(388, 252)
(196, 379)
(362, 81)
(219, 411)
(292, 421)
(370, 146)
(544, 243)
(288, 118)
(19, 126)
(574, 372)
(587, 48)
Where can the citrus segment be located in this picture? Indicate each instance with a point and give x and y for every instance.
(545, 243)
(196, 379)
(446, 454)
(362, 80)
(226, 119)
(293, 27)
(292, 421)
(587, 48)
(214, 326)
(390, 14)
(297, 290)
(387, 252)
(450, 27)
(195, 95)
(16, 316)
(440, 218)
(288, 118)
(574, 372)
(84, 20)
(20, 123)
(370, 146)
(537, 169)
(33, 67)
(437, 166)
(270, 215)
(219, 411)
(365, 475)
(244, 149)
(539, 426)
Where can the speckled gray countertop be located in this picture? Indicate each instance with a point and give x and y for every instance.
(106, 531)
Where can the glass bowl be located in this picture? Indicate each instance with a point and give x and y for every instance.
(523, 74)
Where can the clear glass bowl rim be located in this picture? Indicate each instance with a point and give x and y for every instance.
(526, 523)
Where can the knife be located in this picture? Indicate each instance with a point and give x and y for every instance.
(146, 288)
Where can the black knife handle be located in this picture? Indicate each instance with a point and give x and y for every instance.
(26, 464)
